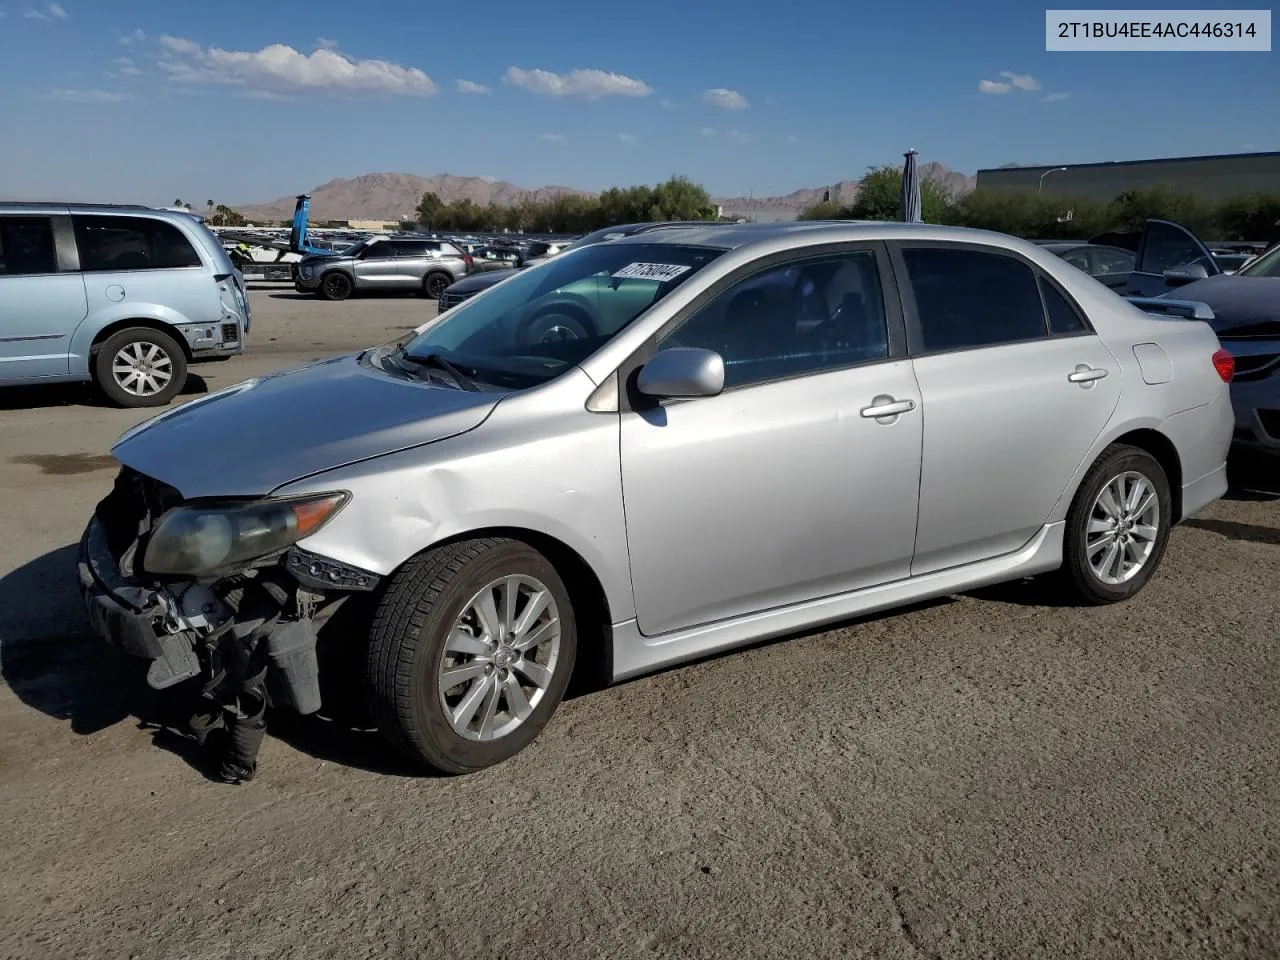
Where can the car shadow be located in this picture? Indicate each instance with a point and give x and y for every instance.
(53, 662)
(1248, 532)
(43, 396)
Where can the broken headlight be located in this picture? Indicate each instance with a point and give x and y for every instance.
(199, 540)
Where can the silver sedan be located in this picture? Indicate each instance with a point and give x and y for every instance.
(653, 449)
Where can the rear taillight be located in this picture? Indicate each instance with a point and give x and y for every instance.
(466, 258)
(1225, 364)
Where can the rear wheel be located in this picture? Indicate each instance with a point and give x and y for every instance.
(470, 653)
(1117, 527)
(336, 286)
(140, 367)
(434, 284)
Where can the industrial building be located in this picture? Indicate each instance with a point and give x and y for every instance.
(1211, 177)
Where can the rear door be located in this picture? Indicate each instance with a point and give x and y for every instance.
(412, 259)
(1015, 387)
(42, 297)
(1165, 245)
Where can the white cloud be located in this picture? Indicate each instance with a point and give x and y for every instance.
(555, 137)
(87, 96)
(708, 131)
(627, 137)
(469, 86)
(51, 11)
(1055, 97)
(590, 84)
(129, 39)
(282, 69)
(770, 101)
(737, 136)
(1023, 81)
(324, 43)
(123, 61)
(669, 103)
(725, 99)
(993, 86)
(792, 138)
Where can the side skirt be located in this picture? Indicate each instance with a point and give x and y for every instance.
(635, 654)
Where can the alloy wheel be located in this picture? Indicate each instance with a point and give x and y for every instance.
(499, 658)
(1122, 528)
(142, 368)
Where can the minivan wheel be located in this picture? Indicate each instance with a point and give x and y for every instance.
(1117, 527)
(140, 367)
(335, 286)
(471, 649)
(434, 285)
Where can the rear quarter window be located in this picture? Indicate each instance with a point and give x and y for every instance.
(132, 243)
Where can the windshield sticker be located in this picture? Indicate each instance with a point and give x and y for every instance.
(662, 272)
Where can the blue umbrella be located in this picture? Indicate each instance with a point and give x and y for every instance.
(910, 207)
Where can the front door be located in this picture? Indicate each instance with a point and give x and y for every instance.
(785, 487)
(1016, 389)
(376, 266)
(40, 306)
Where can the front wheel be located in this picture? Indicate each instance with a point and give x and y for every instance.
(336, 286)
(470, 652)
(140, 367)
(1117, 527)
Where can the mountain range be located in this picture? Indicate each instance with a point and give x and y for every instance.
(395, 196)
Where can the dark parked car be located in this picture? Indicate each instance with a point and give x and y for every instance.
(1176, 265)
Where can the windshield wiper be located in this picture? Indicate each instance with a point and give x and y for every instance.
(461, 377)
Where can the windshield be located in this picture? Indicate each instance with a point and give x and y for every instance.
(534, 325)
(611, 233)
(1267, 265)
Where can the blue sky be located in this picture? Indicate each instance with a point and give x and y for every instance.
(147, 100)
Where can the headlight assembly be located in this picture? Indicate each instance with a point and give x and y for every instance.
(201, 540)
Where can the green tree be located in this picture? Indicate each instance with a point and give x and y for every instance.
(1253, 216)
(1132, 208)
(429, 208)
(224, 216)
(880, 197)
(824, 210)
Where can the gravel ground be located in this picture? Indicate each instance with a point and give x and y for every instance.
(985, 776)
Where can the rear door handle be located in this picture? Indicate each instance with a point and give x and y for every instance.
(886, 406)
(1086, 374)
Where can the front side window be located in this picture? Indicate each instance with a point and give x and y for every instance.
(26, 246)
(969, 298)
(378, 251)
(538, 323)
(1168, 246)
(797, 318)
(131, 243)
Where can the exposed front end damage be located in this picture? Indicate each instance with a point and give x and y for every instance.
(249, 635)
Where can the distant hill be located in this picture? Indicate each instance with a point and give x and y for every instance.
(395, 196)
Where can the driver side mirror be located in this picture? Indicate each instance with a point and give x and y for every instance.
(1187, 273)
(682, 372)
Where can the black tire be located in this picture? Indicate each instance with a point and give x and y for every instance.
(336, 285)
(407, 643)
(553, 325)
(1077, 574)
(167, 356)
(434, 284)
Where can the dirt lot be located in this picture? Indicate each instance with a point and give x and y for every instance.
(986, 776)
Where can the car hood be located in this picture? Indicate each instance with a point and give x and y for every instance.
(480, 281)
(253, 437)
(1236, 301)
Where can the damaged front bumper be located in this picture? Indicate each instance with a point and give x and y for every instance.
(272, 614)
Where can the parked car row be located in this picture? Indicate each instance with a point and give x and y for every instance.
(124, 297)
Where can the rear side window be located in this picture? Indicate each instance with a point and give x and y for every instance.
(132, 243)
(967, 299)
(26, 246)
(1063, 317)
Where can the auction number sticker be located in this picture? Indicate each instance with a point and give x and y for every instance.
(662, 272)
(1181, 30)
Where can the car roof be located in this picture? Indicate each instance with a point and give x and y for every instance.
(125, 209)
(730, 236)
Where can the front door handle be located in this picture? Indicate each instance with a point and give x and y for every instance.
(886, 406)
(1086, 374)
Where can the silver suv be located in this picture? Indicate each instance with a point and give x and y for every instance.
(381, 263)
(124, 296)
